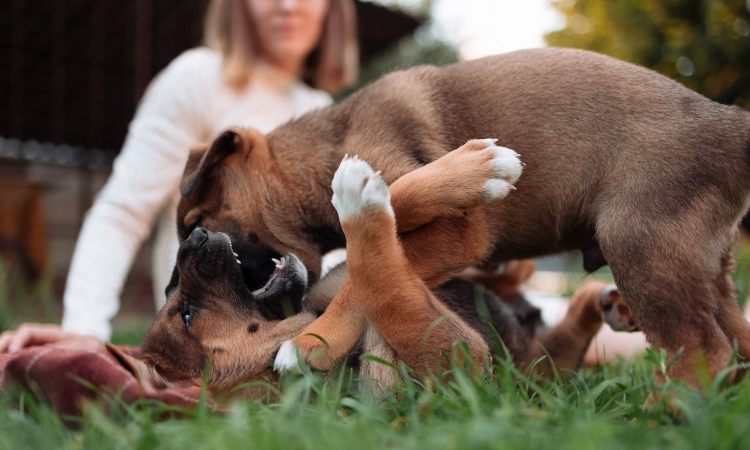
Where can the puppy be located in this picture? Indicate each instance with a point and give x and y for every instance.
(627, 166)
(212, 323)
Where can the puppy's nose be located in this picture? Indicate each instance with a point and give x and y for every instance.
(198, 236)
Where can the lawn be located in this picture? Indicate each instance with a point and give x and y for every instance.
(593, 409)
(599, 408)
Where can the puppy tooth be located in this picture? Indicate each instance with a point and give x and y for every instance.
(511, 187)
(279, 266)
(235, 254)
(238, 262)
(276, 261)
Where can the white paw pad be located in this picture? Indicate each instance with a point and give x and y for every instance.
(357, 187)
(506, 168)
(286, 358)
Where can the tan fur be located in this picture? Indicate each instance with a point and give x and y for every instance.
(395, 300)
(406, 322)
(628, 166)
(417, 327)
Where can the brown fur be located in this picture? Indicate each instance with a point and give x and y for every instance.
(416, 324)
(622, 163)
(230, 336)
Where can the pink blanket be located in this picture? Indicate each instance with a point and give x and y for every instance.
(66, 378)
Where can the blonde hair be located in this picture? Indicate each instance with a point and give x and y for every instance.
(332, 65)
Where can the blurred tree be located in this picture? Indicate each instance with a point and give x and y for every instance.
(705, 44)
(423, 47)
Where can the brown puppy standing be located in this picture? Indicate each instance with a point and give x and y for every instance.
(213, 319)
(622, 163)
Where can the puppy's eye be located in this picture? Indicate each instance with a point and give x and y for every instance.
(187, 314)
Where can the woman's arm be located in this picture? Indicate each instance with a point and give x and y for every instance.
(144, 178)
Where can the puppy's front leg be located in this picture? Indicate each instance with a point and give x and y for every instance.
(478, 172)
(383, 284)
(418, 327)
(441, 241)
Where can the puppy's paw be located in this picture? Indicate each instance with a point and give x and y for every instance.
(304, 350)
(506, 163)
(496, 189)
(484, 168)
(614, 310)
(505, 168)
(356, 188)
(287, 358)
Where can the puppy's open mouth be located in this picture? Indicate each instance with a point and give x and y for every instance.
(273, 286)
(282, 292)
(287, 266)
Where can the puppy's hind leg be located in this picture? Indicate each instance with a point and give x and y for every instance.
(666, 277)
(565, 344)
(417, 326)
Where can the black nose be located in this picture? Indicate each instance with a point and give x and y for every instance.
(198, 236)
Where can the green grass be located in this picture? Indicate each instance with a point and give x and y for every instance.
(593, 409)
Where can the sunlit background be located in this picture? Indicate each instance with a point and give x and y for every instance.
(485, 27)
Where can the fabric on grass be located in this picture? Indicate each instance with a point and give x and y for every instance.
(67, 378)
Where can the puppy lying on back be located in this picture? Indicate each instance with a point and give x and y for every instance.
(212, 318)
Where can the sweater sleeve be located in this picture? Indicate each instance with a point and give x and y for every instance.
(145, 176)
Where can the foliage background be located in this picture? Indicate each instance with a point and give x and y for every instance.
(705, 44)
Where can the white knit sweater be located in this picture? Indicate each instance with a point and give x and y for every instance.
(185, 104)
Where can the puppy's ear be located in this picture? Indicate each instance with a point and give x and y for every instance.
(144, 372)
(202, 160)
(174, 280)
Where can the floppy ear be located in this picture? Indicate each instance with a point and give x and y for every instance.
(200, 162)
(145, 373)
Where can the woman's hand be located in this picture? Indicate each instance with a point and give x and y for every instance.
(32, 334)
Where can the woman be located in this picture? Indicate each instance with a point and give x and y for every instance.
(250, 73)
